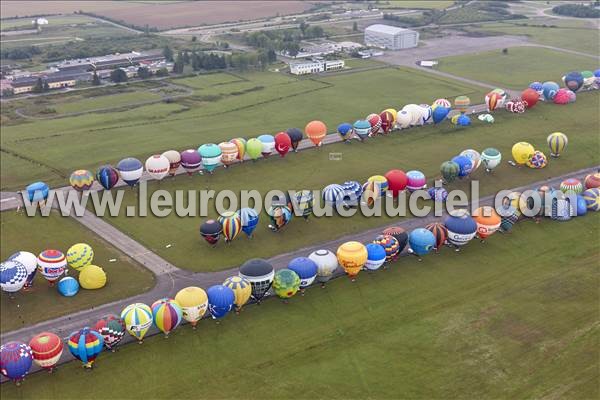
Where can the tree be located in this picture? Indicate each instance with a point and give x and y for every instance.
(168, 53)
(144, 72)
(46, 86)
(178, 65)
(95, 79)
(194, 38)
(118, 75)
(162, 72)
(186, 57)
(355, 26)
(272, 56)
(303, 26)
(39, 86)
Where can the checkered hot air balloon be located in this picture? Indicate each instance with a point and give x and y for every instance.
(390, 245)
(13, 276)
(232, 225)
(112, 329)
(15, 360)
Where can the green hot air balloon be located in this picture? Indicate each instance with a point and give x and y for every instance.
(254, 148)
(286, 283)
(449, 170)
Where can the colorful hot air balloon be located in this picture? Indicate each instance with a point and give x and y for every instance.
(388, 119)
(46, 349)
(441, 103)
(286, 283)
(592, 199)
(530, 97)
(85, 345)
(232, 225)
(450, 171)
(306, 269)
(333, 194)
(397, 181)
(37, 192)
(112, 329)
(268, 144)
(465, 165)
(68, 286)
(138, 320)
(220, 300)
(474, 156)
(352, 256)
(538, 160)
(590, 181)
(571, 186)
(211, 156)
(361, 129)
(79, 255)
(588, 79)
(539, 88)
(194, 303)
(167, 315)
(304, 203)
(241, 289)
(279, 216)
(557, 142)
(549, 90)
(240, 143)
(295, 135)
(174, 158)
(316, 132)
(345, 131)
(15, 360)
(254, 148)
(421, 242)
(249, 220)
(375, 256)
(488, 221)
(400, 234)
(573, 80)
(211, 231)
(439, 232)
(158, 166)
(522, 152)
(490, 158)
(29, 261)
(352, 193)
(463, 120)
(375, 122)
(493, 100)
(416, 181)
(81, 180)
(191, 161)
(326, 263)
(51, 264)
(380, 182)
(461, 227)
(229, 153)
(462, 103)
(581, 206)
(130, 169)
(13, 276)
(283, 143)
(390, 245)
(260, 275)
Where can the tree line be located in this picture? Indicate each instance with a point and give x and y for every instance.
(578, 10)
(285, 40)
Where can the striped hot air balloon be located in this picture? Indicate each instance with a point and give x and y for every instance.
(242, 289)
(232, 225)
(571, 185)
(557, 142)
(85, 345)
(240, 143)
(81, 180)
(46, 348)
(229, 153)
(439, 232)
(390, 245)
(167, 315)
(138, 320)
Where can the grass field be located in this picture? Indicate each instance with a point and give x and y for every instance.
(8, 24)
(260, 102)
(497, 320)
(524, 64)
(437, 4)
(125, 277)
(419, 148)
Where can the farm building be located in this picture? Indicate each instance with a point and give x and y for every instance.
(390, 37)
(314, 67)
(110, 61)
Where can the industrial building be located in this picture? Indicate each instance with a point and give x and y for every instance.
(316, 66)
(390, 37)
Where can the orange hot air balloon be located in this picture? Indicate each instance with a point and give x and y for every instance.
(316, 131)
(488, 221)
(352, 256)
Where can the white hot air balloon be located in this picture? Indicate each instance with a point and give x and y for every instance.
(158, 166)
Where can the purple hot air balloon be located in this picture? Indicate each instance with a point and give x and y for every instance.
(191, 161)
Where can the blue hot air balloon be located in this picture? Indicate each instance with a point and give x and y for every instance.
(333, 194)
(131, 170)
(465, 165)
(345, 131)
(220, 300)
(15, 360)
(581, 206)
(362, 129)
(421, 241)
(461, 227)
(549, 90)
(463, 120)
(107, 176)
(352, 192)
(439, 114)
(211, 156)
(249, 218)
(68, 286)
(573, 80)
(375, 256)
(306, 270)
(37, 192)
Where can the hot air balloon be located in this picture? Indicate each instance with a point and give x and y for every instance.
(326, 262)
(562, 210)
(393, 112)
(388, 119)
(530, 97)
(571, 186)
(138, 320)
(439, 232)
(450, 171)
(403, 119)
(375, 122)
(345, 131)
(316, 131)
(68, 286)
(240, 143)
(439, 114)
(15, 361)
(13, 276)
(283, 143)
(461, 228)
(260, 275)
(304, 201)
(46, 349)
(557, 142)
(194, 303)
(375, 256)
(295, 135)
(516, 106)
(462, 103)
(572, 97)
(130, 169)
(362, 129)
(573, 80)
(437, 194)
(488, 221)
(112, 329)
(380, 184)
(85, 345)
(279, 216)
(414, 113)
(157, 166)
(211, 231)
(51, 264)
(29, 261)
(581, 208)
(588, 79)
(397, 181)
(493, 100)
(286, 283)
(441, 103)
(220, 300)
(92, 277)
(268, 144)
(352, 193)
(232, 225)
(352, 256)
(549, 90)
(474, 156)
(167, 315)
(487, 118)
(539, 88)
(490, 158)
(254, 148)
(333, 194)
(400, 234)
(174, 161)
(538, 160)
(590, 181)
(229, 153)
(522, 152)
(421, 242)
(241, 289)
(37, 192)
(81, 180)
(562, 96)
(463, 120)
(249, 220)
(306, 269)
(79, 255)
(390, 245)
(592, 199)
(191, 161)
(415, 181)
(211, 156)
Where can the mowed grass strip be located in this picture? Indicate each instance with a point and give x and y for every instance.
(503, 319)
(418, 148)
(18, 232)
(518, 68)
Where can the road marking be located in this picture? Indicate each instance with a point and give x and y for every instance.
(7, 199)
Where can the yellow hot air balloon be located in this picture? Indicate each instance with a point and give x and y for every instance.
(241, 289)
(92, 277)
(522, 152)
(138, 319)
(79, 255)
(393, 112)
(194, 302)
(352, 256)
(557, 142)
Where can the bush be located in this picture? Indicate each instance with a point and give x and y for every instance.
(576, 10)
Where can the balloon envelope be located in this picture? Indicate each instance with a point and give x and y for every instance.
(85, 345)
(283, 143)
(530, 97)
(191, 160)
(254, 148)
(158, 166)
(220, 300)
(15, 360)
(81, 180)
(316, 131)
(259, 273)
(131, 170)
(439, 114)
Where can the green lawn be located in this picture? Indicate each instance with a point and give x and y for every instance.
(61, 20)
(437, 4)
(261, 102)
(419, 148)
(526, 65)
(109, 101)
(125, 277)
(497, 320)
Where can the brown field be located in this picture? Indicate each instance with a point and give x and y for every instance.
(160, 14)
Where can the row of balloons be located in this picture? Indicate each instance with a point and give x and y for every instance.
(257, 277)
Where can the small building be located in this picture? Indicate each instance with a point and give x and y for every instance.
(428, 64)
(390, 37)
(316, 66)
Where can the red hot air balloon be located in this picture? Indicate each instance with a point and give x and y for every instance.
(283, 143)
(397, 181)
(530, 97)
(387, 121)
(47, 349)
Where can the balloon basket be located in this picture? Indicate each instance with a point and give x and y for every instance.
(302, 292)
(457, 249)
(140, 342)
(193, 327)
(323, 285)
(113, 350)
(166, 335)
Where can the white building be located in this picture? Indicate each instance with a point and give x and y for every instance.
(314, 67)
(390, 37)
